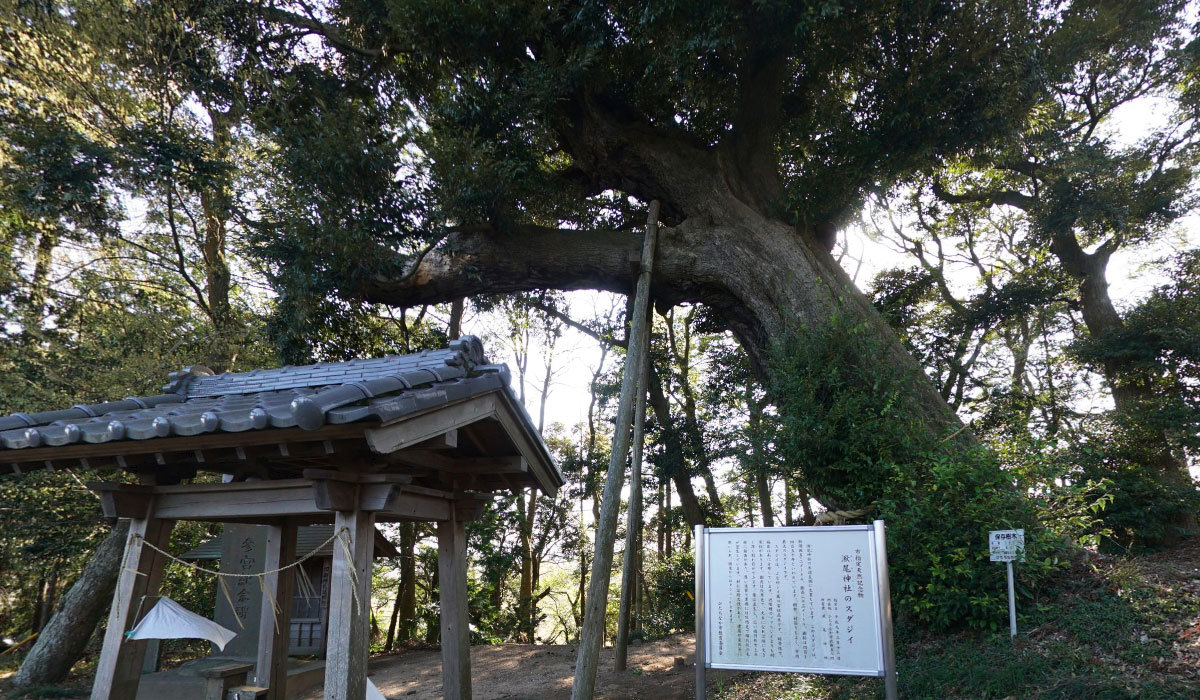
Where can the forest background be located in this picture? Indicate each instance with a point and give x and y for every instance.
(247, 184)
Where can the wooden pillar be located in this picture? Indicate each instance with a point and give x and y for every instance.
(456, 632)
(350, 607)
(274, 630)
(120, 666)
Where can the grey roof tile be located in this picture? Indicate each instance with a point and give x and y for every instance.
(197, 401)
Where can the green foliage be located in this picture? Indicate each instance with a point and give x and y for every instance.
(1146, 509)
(670, 585)
(847, 427)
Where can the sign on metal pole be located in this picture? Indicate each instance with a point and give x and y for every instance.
(794, 599)
(1008, 546)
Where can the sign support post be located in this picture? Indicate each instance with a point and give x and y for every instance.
(1012, 603)
(1008, 546)
(890, 683)
(701, 659)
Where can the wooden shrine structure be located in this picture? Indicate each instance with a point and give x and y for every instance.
(421, 437)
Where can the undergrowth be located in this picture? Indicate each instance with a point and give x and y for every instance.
(1110, 628)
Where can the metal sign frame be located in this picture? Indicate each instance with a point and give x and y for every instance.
(883, 607)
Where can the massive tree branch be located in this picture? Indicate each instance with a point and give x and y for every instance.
(1012, 198)
(311, 25)
(748, 157)
(691, 266)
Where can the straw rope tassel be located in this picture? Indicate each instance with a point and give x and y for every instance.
(262, 585)
(305, 584)
(232, 608)
(350, 567)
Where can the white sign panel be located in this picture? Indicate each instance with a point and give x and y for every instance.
(1007, 545)
(802, 599)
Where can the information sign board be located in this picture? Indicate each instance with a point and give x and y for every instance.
(1007, 545)
(797, 599)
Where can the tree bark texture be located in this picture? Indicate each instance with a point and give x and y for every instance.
(765, 279)
(1102, 319)
(64, 638)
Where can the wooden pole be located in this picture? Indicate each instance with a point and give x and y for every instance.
(633, 527)
(350, 606)
(592, 633)
(274, 628)
(120, 666)
(455, 621)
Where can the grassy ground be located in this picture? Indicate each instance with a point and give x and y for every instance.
(1117, 627)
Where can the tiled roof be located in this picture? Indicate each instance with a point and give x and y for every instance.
(198, 401)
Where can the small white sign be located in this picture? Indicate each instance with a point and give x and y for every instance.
(1007, 545)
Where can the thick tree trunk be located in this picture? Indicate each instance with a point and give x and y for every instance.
(63, 640)
(758, 459)
(762, 276)
(1102, 320)
(525, 605)
(405, 609)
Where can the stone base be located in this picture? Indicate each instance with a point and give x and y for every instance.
(187, 683)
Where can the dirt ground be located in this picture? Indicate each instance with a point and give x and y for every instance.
(541, 672)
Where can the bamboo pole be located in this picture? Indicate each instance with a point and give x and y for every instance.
(629, 567)
(592, 634)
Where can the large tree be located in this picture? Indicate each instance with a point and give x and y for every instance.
(525, 126)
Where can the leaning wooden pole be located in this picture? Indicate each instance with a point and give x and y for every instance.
(633, 526)
(592, 634)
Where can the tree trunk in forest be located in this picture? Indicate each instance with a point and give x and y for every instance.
(38, 284)
(454, 329)
(668, 522)
(37, 611)
(404, 612)
(525, 615)
(408, 580)
(63, 640)
(758, 458)
(673, 445)
(681, 352)
(217, 204)
(433, 632)
(1102, 320)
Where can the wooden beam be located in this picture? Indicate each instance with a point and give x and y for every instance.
(350, 608)
(528, 449)
(409, 431)
(456, 633)
(184, 444)
(241, 500)
(446, 441)
(268, 501)
(274, 629)
(460, 465)
(591, 633)
(120, 665)
(124, 500)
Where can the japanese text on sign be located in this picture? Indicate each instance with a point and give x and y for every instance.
(793, 599)
(1007, 545)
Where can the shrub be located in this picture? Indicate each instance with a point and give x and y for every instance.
(850, 433)
(670, 583)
